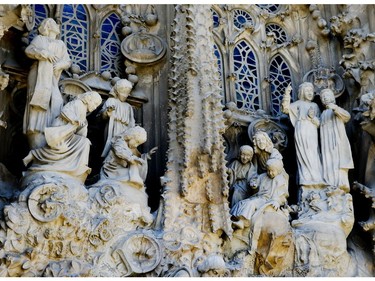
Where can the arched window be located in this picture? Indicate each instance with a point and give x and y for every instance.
(215, 18)
(40, 12)
(271, 8)
(247, 82)
(74, 32)
(280, 76)
(111, 58)
(241, 17)
(278, 31)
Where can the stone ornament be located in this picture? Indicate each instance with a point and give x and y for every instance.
(137, 253)
(45, 202)
(323, 78)
(142, 47)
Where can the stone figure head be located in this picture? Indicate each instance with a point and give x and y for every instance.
(135, 136)
(274, 167)
(121, 90)
(327, 96)
(91, 99)
(306, 91)
(49, 27)
(262, 142)
(246, 154)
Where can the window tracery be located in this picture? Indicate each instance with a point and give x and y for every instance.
(246, 84)
(280, 34)
(215, 18)
(280, 76)
(111, 58)
(241, 18)
(74, 32)
(271, 8)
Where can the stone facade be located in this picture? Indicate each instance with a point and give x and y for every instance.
(187, 140)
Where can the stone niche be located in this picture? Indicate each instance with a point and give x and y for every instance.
(187, 140)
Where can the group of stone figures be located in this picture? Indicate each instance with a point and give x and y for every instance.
(57, 134)
(324, 215)
(60, 227)
(54, 206)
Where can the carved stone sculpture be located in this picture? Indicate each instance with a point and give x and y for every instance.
(44, 100)
(304, 116)
(320, 231)
(67, 148)
(264, 150)
(240, 174)
(336, 153)
(118, 111)
(266, 215)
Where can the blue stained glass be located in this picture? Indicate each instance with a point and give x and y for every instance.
(246, 84)
(280, 78)
(75, 33)
(240, 17)
(111, 58)
(271, 8)
(281, 36)
(215, 18)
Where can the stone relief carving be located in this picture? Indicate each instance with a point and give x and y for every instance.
(44, 98)
(59, 227)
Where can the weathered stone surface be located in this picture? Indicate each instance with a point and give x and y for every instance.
(257, 179)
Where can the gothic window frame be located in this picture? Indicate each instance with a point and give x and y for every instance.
(278, 30)
(89, 36)
(235, 77)
(99, 58)
(273, 83)
(245, 15)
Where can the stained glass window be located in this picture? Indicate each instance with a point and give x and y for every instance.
(280, 76)
(246, 84)
(111, 58)
(74, 32)
(40, 12)
(240, 17)
(271, 8)
(278, 31)
(220, 66)
(215, 18)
